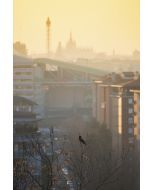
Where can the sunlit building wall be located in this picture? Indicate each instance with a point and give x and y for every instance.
(107, 109)
(118, 108)
(115, 118)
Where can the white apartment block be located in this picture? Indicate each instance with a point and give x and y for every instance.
(23, 77)
(28, 81)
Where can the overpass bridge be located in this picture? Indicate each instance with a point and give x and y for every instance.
(69, 71)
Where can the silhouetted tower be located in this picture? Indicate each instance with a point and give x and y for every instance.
(48, 26)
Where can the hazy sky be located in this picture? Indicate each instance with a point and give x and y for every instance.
(101, 24)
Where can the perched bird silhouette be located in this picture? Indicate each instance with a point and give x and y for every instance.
(81, 140)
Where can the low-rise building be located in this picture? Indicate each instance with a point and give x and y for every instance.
(23, 110)
(25, 122)
(25, 128)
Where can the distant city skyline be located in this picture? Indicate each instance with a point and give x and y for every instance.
(102, 25)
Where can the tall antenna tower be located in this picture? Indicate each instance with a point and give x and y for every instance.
(48, 26)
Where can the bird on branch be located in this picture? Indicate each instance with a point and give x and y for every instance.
(81, 140)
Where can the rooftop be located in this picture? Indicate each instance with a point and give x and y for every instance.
(21, 59)
(128, 74)
(22, 100)
(134, 84)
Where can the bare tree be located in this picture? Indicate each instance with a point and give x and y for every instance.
(94, 165)
(39, 166)
(20, 48)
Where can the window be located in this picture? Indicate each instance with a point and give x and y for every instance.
(17, 108)
(131, 140)
(23, 87)
(130, 130)
(22, 80)
(115, 90)
(30, 109)
(130, 101)
(130, 120)
(130, 156)
(23, 66)
(130, 110)
(16, 147)
(103, 105)
(23, 73)
(24, 95)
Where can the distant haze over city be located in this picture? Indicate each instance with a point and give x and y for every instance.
(101, 25)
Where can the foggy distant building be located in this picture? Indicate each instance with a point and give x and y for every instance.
(23, 77)
(136, 55)
(27, 81)
(72, 52)
(71, 44)
(59, 51)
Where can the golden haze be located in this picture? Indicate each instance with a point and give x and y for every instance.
(101, 24)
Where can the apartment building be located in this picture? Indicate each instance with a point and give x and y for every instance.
(115, 104)
(23, 77)
(28, 81)
(107, 110)
(118, 106)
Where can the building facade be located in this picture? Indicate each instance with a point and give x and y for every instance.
(28, 79)
(23, 77)
(25, 127)
(118, 106)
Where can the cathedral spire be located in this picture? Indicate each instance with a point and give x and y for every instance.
(71, 44)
